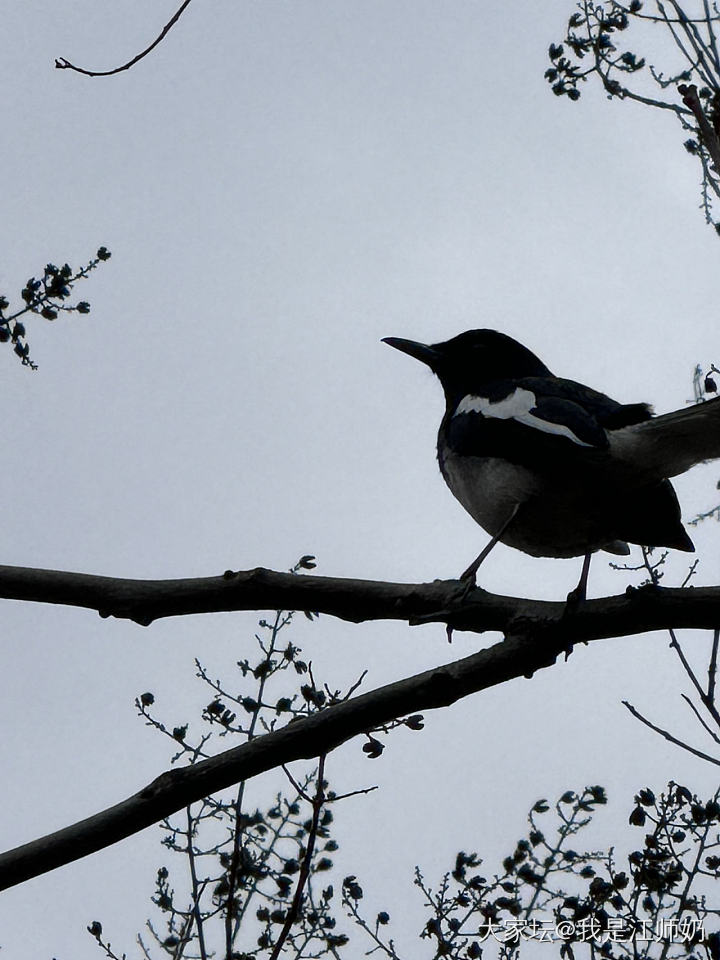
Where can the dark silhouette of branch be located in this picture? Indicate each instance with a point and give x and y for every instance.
(317, 804)
(700, 719)
(652, 566)
(308, 738)
(442, 601)
(669, 737)
(536, 633)
(596, 43)
(691, 99)
(62, 64)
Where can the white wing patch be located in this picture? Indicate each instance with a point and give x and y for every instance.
(516, 406)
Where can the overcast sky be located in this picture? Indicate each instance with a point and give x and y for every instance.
(281, 185)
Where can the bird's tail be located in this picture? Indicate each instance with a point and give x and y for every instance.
(668, 445)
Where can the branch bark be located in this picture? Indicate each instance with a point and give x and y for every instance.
(536, 632)
(691, 99)
(357, 601)
(302, 739)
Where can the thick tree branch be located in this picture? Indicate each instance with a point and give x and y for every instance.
(535, 633)
(443, 601)
(301, 739)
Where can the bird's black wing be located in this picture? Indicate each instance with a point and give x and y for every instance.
(608, 413)
(536, 421)
(533, 418)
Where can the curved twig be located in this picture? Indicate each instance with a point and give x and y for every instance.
(62, 64)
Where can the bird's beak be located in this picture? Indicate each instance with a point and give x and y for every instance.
(421, 351)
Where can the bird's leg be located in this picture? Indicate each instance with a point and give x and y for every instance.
(579, 594)
(576, 596)
(471, 571)
(468, 577)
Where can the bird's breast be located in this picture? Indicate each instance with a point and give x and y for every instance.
(555, 519)
(488, 487)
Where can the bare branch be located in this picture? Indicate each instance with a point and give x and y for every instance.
(696, 63)
(536, 633)
(705, 63)
(691, 99)
(712, 667)
(358, 601)
(317, 805)
(708, 729)
(675, 645)
(651, 102)
(669, 737)
(62, 64)
(310, 737)
(711, 35)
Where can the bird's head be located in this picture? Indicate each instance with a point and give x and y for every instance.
(476, 357)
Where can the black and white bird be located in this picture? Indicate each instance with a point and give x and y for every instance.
(552, 467)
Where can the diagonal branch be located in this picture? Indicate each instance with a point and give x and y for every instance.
(669, 737)
(301, 739)
(536, 632)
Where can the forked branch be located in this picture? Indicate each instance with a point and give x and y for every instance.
(536, 633)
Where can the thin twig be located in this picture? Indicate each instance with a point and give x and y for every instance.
(712, 668)
(706, 700)
(711, 35)
(300, 792)
(675, 645)
(652, 18)
(702, 722)
(669, 737)
(62, 64)
(353, 793)
(292, 913)
(197, 888)
(231, 928)
(691, 32)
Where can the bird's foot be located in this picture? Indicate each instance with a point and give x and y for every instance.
(468, 581)
(458, 591)
(574, 601)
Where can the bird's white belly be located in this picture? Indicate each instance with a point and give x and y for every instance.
(552, 521)
(489, 488)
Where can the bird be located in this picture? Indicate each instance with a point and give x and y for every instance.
(552, 467)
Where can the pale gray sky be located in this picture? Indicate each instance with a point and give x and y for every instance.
(281, 185)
